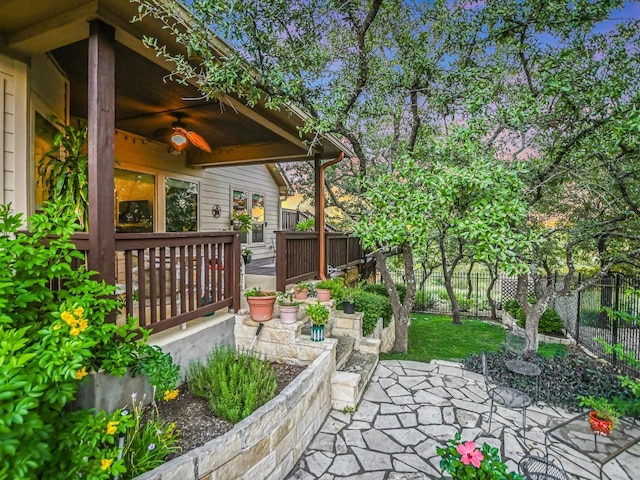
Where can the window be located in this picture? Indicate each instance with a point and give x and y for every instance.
(241, 205)
(44, 135)
(135, 199)
(257, 217)
(181, 204)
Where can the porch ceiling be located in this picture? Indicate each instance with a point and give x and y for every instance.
(145, 99)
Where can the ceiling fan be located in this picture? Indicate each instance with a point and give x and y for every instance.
(179, 136)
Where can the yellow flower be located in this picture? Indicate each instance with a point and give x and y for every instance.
(75, 331)
(78, 311)
(106, 463)
(57, 327)
(170, 394)
(111, 427)
(409, 227)
(82, 324)
(69, 318)
(80, 374)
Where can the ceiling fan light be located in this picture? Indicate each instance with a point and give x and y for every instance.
(178, 140)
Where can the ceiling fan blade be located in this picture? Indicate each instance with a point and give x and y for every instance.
(163, 132)
(198, 141)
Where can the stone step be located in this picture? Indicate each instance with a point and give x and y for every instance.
(344, 348)
(349, 382)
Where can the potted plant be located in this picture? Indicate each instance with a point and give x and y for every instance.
(241, 222)
(466, 461)
(247, 255)
(319, 314)
(302, 290)
(603, 416)
(63, 170)
(260, 304)
(331, 288)
(288, 308)
(349, 303)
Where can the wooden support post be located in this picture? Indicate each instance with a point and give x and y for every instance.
(101, 108)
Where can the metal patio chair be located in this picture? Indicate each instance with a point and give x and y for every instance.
(506, 397)
(534, 467)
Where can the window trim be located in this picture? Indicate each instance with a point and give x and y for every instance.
(249, 193)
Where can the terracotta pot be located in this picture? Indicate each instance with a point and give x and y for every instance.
(261, 308)
(288, 314)
(598, 425)
(302, 294)
(324, 295)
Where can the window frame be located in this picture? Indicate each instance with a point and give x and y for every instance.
(249, 193)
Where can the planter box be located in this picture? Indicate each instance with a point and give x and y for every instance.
(108, 392)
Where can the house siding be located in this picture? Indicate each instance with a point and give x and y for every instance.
(7, 130)
(138, 154)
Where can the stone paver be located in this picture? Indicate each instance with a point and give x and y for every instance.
(410, 408)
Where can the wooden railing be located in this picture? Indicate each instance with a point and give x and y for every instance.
(166, 279)
(297, 255)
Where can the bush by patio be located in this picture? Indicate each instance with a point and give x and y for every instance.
(51, 339)
(235, 383)
(550, 321)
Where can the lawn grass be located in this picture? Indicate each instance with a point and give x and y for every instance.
(436, 337)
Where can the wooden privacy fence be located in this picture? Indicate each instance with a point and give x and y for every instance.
(166, 279)
(298, 255)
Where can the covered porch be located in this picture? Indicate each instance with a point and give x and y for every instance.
(84, 60)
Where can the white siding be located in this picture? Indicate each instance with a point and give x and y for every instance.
(134, 153)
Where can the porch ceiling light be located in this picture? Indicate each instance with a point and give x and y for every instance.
(179, 141)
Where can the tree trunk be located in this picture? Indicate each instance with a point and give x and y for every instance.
(492, 302)
(455, 306)
(401, 311)
(469, 282)
(532, 312)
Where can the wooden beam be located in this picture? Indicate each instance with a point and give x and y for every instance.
(247, 154)
(101, 108)
(67, 27)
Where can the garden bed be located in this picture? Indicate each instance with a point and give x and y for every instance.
(195, 420)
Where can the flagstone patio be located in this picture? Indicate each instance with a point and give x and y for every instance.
(410, 407)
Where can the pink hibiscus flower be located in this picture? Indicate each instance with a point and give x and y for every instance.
(470, 454)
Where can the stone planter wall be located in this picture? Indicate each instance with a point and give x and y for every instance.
(267, 444)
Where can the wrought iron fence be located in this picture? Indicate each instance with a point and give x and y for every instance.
(582, 313)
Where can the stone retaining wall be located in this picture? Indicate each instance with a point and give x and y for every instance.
(267, 444)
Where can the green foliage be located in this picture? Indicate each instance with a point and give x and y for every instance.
(306, 225)
(461, 467)
(373, 306)
(337, 287)
(258, 292)
(318, 313)
(381, 289)
(52, 338)
(148, 441)
(63, 170)
(550, 322)
(605, 409)
(234, 383)
(242, 222)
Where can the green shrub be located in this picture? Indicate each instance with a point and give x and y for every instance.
(234, 383)
(51, 339)
(381, 289)
(307, 225)
(373, 307)
(550, 322)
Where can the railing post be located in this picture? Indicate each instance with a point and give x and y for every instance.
(281, 261)
(235, 272)
(577, 332)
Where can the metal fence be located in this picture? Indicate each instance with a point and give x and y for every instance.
(581, 313)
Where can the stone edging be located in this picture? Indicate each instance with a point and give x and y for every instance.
(267, 444)
(510, 322)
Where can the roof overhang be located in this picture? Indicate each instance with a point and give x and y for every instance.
(145, 100)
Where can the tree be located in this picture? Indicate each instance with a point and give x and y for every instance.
(479, 206)
(525, 78)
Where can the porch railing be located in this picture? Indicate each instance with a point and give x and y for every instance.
(166, 279)
(297, 255)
